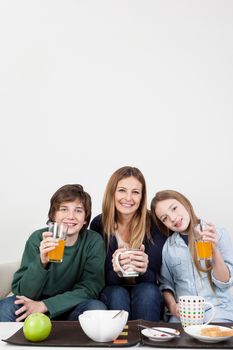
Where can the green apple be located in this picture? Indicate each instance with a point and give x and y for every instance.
(37, 327)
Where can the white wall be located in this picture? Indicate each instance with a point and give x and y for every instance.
(87, 86)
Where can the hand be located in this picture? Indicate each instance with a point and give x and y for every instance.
(28, 307)
(46, 245)
(122, 260)
(139, 259)
(209, 234)
(174, 310)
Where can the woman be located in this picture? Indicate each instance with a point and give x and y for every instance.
(125, 223)
(60, 290)
(182, 273)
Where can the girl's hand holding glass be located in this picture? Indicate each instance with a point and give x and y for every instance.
(209, 234)
(206, 240)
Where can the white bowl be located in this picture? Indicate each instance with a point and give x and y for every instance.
(100, 326)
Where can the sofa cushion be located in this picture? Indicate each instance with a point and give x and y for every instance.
(7, 271)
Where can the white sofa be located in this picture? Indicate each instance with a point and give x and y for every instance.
(7, 271)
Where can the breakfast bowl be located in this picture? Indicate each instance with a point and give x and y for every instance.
(101, 325)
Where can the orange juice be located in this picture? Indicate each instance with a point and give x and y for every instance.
(56, 255)
(204, 250)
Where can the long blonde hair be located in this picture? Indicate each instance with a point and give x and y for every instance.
(194, 220)
(139, 225)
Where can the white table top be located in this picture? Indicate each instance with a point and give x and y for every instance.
(6, 330)
(9, 328)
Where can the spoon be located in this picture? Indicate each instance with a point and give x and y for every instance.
(151, 329)
(118, 313)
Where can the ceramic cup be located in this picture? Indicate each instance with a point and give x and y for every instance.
(129, 270)
(192, 310)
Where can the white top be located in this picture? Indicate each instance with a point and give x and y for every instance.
(120, 242)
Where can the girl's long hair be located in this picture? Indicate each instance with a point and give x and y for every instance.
(139, 225)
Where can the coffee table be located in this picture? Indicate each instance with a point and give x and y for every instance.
(9, 328)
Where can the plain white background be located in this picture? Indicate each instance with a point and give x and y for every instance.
(88, 86)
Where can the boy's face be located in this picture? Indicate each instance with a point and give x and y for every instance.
(71, 214)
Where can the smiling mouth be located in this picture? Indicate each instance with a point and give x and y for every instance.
(126, 205)
(178, 223)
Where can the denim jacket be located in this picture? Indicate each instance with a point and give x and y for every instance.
(179, 274)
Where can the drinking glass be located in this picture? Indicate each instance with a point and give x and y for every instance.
(59, 233)
(204, 248)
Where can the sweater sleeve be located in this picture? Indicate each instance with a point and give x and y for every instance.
(31, 277)
(88, 286)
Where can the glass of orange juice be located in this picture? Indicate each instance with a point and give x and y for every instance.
(204, 248)
(59, 232)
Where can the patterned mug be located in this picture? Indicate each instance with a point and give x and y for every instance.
(192, 310)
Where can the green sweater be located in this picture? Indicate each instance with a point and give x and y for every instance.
(61, 286)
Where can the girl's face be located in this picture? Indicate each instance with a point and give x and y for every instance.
(128, 195)
(71, 214)
(173, 215)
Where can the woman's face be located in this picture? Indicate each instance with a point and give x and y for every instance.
(128, 195)
(71, 214)
(173, 215)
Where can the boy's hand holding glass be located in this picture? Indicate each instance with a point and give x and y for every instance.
(59, 233)
(53, 243)
(46, 245)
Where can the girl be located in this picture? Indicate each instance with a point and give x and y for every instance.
(182, 273)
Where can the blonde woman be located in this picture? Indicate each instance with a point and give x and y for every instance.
(182, 273)
(125, 223)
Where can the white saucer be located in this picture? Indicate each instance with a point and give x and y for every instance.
(154, 335)
(195, 332)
